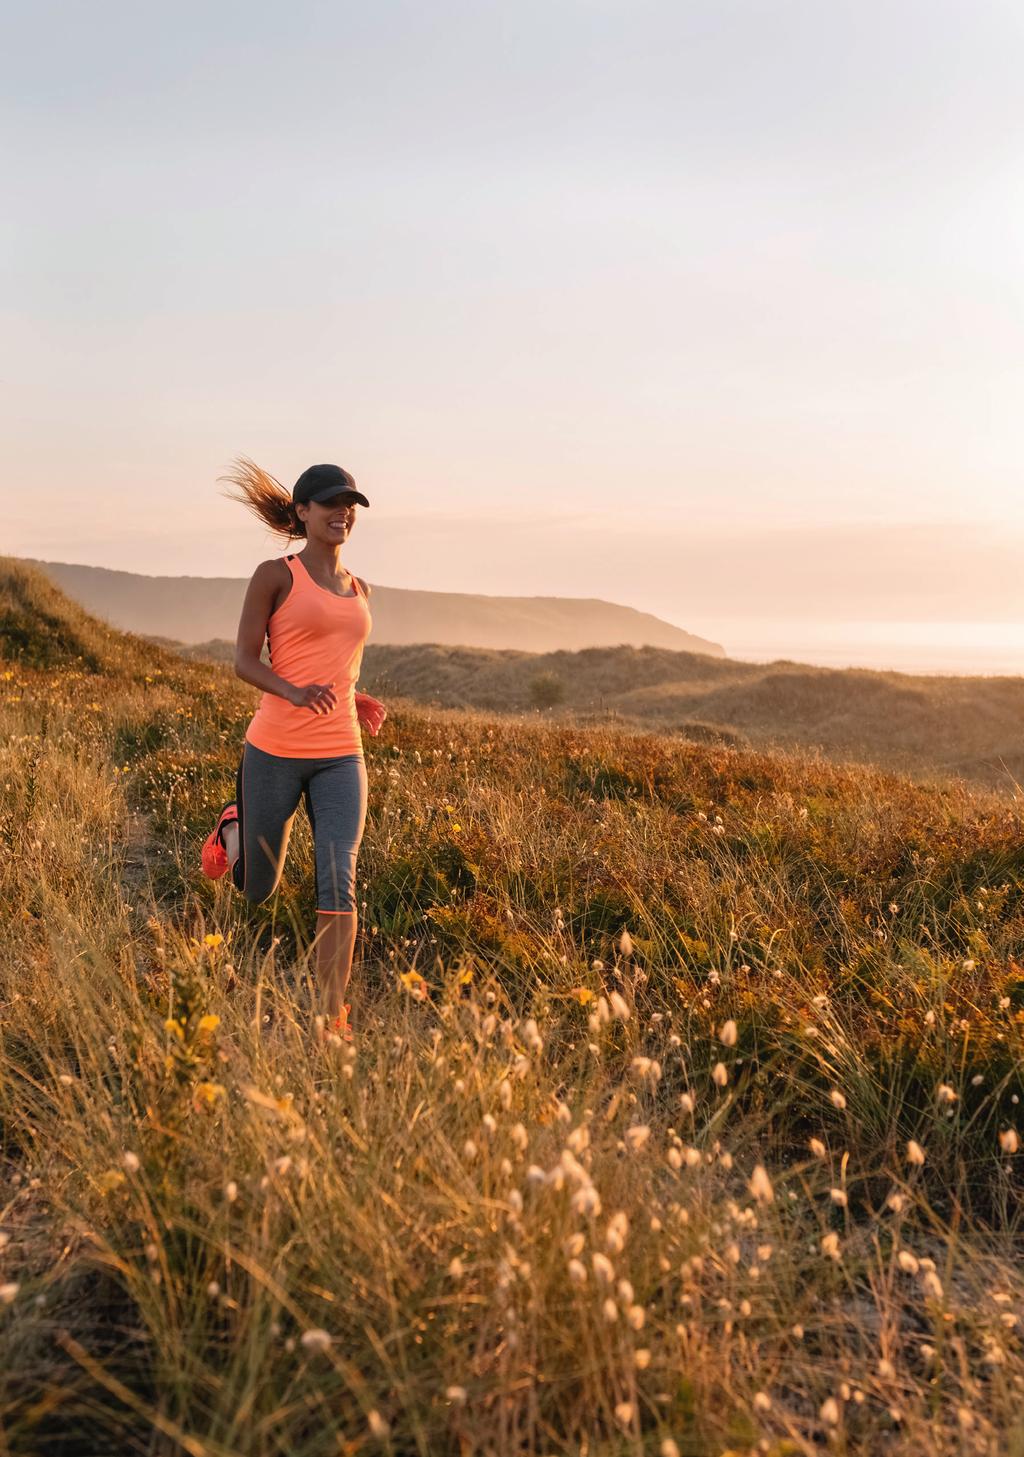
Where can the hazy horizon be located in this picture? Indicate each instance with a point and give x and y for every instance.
(979, 648)
(711, 310)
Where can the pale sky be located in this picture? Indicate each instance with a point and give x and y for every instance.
(712, 307)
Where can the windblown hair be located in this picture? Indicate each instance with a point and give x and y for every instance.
(265, 498)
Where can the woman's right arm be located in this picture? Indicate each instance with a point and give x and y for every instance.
(257, 608)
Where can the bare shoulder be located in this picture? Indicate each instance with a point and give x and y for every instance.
(269, 586)
(272, 573)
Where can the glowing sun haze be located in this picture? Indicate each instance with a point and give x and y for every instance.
(712, 308)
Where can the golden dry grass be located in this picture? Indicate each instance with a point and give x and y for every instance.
(652, 1040)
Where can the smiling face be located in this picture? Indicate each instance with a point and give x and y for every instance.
(329, 521)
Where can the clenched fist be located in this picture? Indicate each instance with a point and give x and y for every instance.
(370, 711)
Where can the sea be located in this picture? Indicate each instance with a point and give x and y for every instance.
(951, 649)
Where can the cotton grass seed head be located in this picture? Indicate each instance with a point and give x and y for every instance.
(727, 1034)
(604, 1270)
(915, 1153)
(829, 1412)
(760, 1185)
(619, 1006)
(617, 1232)
(586, 1201)
(531, 1035)
(377, 1425)
(931, 1285)
(645, 1069)
(315, 1340)
(577, 1272)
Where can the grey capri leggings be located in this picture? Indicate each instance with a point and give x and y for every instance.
(268, 791)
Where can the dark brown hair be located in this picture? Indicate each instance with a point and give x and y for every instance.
(265, 498)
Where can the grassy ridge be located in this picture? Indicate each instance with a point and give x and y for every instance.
(932, 725)
(604, 980)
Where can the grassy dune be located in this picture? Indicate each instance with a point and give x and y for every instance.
(681, 1118)
(934, 725)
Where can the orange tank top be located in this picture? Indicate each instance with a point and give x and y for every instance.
(315, 636)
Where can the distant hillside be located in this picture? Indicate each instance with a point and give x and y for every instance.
(197, 609)
(968, 726)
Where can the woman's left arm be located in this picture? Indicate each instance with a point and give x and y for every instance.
(369, 711)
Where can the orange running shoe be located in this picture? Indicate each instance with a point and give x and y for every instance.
(341, 1026)
(329, 1033)
(215, 857)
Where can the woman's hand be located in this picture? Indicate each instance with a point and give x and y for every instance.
(370, 711)
(320, 697)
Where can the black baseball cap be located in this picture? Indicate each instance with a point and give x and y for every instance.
(321, 482)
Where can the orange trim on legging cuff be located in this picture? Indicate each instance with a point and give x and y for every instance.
(334, 913)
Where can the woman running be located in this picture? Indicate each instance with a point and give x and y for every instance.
(304, 740)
